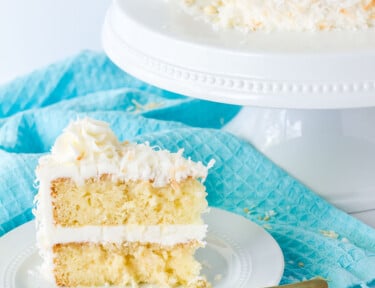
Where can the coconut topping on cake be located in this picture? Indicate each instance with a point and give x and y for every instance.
(89, 144)
(285, 15)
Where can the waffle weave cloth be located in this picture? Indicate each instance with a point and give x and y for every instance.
(317, 239)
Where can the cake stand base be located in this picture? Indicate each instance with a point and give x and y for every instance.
(330, 151)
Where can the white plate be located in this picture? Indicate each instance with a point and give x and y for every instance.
(238, 254)
(164, 46)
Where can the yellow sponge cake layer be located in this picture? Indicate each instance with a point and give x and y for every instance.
(87, 264)
(102, 201)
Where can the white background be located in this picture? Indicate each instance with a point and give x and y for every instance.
(38, 32)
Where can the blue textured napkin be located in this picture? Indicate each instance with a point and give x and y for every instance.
(317, 239)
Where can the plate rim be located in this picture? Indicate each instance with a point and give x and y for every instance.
(13, 248)
(274, 253)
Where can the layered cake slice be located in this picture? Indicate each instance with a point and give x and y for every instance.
(118, 214)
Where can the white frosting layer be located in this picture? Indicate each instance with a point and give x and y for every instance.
(167, 235)
(285, 15)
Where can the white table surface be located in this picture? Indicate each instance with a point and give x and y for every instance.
(38, 32)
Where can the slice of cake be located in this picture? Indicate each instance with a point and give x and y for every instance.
(118, 214)
(285, 15)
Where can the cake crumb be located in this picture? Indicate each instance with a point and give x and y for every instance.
(329, 234)
(267, 226)
(206, 264)
(267, 216)
(139, 108)
(218, 277)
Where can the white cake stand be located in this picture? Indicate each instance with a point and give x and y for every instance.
(307, 96)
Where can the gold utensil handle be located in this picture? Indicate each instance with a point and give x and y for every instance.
(316, 283)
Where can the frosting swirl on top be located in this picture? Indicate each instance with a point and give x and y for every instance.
(86, 139)
(88, 148)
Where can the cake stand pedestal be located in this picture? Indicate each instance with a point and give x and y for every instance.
(307, 96)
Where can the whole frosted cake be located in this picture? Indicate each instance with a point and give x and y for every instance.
(118, 214)
(285, 15)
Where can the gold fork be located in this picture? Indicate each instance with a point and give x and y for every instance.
(315, 283)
